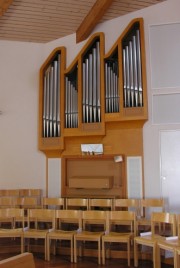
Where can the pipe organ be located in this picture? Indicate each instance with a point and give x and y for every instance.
(95, 90)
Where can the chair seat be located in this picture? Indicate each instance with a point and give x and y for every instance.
(61, 234)
(169, 244)
(11, 232)
(149, 239)
(117, 237)
(35, 233)
(87, 235)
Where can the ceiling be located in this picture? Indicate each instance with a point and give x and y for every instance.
(42, 21)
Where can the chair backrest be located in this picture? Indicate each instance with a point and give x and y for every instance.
(130, 204)
(121, 218)
(66, 218)
(40, 217)
(30, 192)
(53, 203)
(149, 205)
(14, 215)
(6, 202)
(36, 193)
(77, 203)
(101, 203)
(94, 217)
(28, 202)
(9, 192)
(163, 222)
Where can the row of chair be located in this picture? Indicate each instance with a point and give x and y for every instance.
(138, 205)
(141, 207)
(79, 226)
(75, 226)
(20, 192)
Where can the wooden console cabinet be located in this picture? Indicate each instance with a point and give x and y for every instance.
(97, 175)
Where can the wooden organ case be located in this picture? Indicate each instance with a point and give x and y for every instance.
(99, 99)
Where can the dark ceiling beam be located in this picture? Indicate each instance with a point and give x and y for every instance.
(4, 4)
(92, 18)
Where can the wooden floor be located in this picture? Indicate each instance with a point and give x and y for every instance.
(64, 262)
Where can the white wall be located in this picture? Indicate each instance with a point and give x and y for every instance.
(21, 164)
(20, 161)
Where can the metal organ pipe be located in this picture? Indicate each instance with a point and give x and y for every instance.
(132, 73)
(91, 85)
(51, 99)
(71, 101)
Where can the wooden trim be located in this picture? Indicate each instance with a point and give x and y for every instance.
(54, 143)
(92, 18)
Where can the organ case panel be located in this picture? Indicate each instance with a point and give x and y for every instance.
(125, 76)
(84, 99)
(134, 71)
(50, 110)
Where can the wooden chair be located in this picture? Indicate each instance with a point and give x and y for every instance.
(53, 203)
(40, 222)
(77, 203)
(90, 219)
(157, 234)
(10, 215)
(146, 207)
(171, 244)
(24, 260)
(116, 233)
(66, 217)
(101, 203)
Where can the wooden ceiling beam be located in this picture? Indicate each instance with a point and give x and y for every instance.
(4, 4)
(92, 18)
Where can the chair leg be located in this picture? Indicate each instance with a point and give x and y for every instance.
(99, 252)
(135, 254)
(75, 250)
(48, 248)
(71, 242)
(22, 244)
(103, 252)
(155, 257)
(158, 252)
(129, 253)
(45, 250)
(176, 259)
